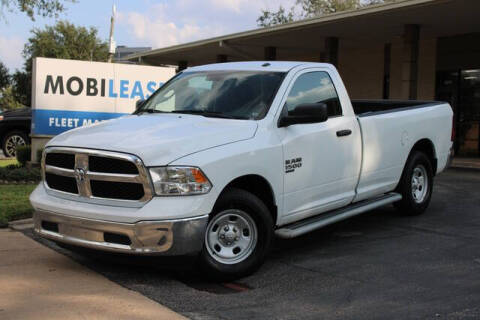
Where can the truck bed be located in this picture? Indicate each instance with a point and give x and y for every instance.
(388, 136)
(364, 108)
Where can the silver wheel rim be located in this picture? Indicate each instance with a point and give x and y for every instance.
(12, 143)
(231, 236)
(419, 183)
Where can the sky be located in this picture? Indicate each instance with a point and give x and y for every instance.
(145, 23)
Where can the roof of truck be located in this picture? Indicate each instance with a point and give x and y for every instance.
(277, 66)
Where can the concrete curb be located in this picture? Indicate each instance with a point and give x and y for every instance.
(465, 166)
(19, 225)
(465, 163)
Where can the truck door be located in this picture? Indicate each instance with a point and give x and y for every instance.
(322, 160)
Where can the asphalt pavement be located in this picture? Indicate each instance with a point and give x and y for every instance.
(380, 265)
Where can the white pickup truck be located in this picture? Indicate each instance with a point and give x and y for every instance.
(225, 156)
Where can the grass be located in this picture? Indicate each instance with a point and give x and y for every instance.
(14, 202)
(7, 162)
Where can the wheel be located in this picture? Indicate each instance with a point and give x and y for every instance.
(238, 236)
(416, 185)
(11, 141)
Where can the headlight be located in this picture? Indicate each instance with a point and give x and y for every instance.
(179, 181)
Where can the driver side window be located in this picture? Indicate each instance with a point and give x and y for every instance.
(314, 87)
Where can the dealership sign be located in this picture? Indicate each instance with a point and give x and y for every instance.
(68, 93)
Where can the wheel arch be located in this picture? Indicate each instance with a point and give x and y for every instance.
(426, 146)
(260, 187)
(11, 128)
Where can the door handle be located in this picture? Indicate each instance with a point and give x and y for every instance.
(343, 133)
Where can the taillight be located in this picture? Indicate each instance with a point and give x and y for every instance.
(453, 129)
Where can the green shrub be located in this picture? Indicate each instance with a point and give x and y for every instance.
(23, 154)
(16, 173)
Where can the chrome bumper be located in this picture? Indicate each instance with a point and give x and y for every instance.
(167, 237)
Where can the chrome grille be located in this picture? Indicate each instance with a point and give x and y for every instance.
(61, 183)
(109, 165)
(62, 160)
(96, 176)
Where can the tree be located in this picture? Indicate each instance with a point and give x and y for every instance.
(64, 41)
(21, 87)
(273, 18)
(314, 8)
(44, 8)
(67, 41)
(8, 100)
(304, 9)
(4, 76)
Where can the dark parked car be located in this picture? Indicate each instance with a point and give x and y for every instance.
(14, 129)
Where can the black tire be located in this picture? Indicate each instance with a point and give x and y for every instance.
(9, 135)
(409, 205)
(238, 199)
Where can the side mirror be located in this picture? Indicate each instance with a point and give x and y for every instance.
(305, 113)
(139, 104)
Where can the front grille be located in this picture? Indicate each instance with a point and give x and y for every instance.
(109, 165)
(116, 190)
(61, 160)
(93, 175)
(61, 183)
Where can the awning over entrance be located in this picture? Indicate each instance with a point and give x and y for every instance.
(317, 39)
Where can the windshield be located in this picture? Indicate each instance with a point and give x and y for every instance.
(225, 94)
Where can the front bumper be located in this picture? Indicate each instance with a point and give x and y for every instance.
(165, 237)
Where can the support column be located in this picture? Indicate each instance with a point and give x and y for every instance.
(222, 58)
(182, 65)
(410, 61)
(270, 53)
(331, 51)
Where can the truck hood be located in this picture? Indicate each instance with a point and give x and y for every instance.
(157, 139)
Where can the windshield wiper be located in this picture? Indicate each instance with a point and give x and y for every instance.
(149, 111)
(212, 114)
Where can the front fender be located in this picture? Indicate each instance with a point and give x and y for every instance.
(257, 156)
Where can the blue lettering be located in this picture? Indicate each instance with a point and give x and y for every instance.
(111, 89)
(137, 91)
(124, 88)
(151, 87)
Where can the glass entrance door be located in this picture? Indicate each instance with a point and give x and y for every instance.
(461, 88)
